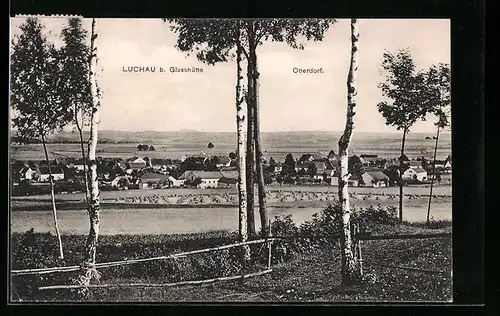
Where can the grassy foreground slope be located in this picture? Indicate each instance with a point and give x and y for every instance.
(313, 275)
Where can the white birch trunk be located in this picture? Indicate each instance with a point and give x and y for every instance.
(242, 191)
(350, 275)
(53, 200)
(91, 245)
(264, 218)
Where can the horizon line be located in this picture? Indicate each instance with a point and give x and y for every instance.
(267, 132)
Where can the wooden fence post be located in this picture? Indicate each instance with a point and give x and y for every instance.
(269, 245)
(357, 249)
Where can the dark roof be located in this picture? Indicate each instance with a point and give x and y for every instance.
(136, 165)
(377, 175)
(199, 159)
(207, 174)
(160, 162)
(133, 158)
(150, 176)
(228, 180)
(230, 174)
(53, 169)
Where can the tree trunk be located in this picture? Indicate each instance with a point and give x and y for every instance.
(264, 218)
(242, 193)
(85, 173)
(91, 245)
(433, 176)
(350, 273)
(250, 153)
(53, 200)
(401, 193)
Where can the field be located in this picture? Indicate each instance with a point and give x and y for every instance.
(272, 190)
(172, 219)
(174, 145)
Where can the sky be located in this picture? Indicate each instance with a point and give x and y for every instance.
(288, 101)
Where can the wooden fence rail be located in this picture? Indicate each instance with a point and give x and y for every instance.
(195, 282)
(133, 261)
(183, 254)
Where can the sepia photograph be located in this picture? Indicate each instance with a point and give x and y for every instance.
(218, 160)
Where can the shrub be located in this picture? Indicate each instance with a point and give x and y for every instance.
(372, 216)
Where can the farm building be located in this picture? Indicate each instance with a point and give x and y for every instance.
(136, 163)
(57, 173)
(221, 161)
(28, 173)
(229, 178)
(375, 179)
(160, 164)
(324, 169)
(176, 183)
(367, 159)
(206, 179)
(306, 158)
(415, 173)
(150, 179)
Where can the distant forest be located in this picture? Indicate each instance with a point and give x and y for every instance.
(24, 140)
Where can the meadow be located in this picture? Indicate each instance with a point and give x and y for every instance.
(174, 145)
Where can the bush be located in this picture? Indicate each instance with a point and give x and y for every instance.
(372, 216)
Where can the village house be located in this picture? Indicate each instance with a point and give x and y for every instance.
(368, 160)
(221, 161)
(415, 173)
(79, 165)
(28, 173)
(443, 166)
(324, 169)
(136, 163)
(207, 179)
(374, 179)
(56, 171)
(306, 158)
(160, 164)
(176, 183)
(228, 178)
(151, 180)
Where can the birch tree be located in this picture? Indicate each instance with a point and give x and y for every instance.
(35, 89)
(438, 101)
(240, 119)
(94, 205)
(403, 86)
(350, 273)
(214, 41)
(75, 74)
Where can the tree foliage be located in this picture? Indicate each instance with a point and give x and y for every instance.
(403, 87)
(437, 93)
(36, 85)
(74, 57)
(214, 40)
